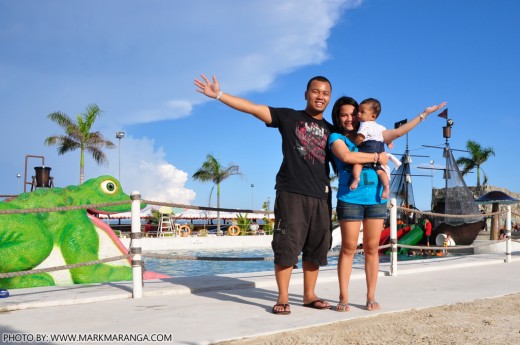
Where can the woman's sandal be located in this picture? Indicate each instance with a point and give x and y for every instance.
(342, 307)
(373, 305)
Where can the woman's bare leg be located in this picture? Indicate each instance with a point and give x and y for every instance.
(349, 240)
(371, 236)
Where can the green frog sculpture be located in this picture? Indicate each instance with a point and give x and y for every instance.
(48, 239)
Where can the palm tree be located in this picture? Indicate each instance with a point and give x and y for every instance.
(78, 136)
(333, 178)
(478, 156)
(212, 170)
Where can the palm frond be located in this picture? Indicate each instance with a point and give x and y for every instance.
(477, 157)
(212, 170)
(96, 139)
(79, 135)
(61, 119)
(97, 155)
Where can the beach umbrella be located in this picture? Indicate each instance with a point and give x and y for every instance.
(496, 198)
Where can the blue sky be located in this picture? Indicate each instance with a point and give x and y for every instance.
(137, 60)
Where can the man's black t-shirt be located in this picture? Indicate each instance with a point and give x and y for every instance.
(305, 166)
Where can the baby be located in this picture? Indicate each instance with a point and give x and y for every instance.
(370, 139)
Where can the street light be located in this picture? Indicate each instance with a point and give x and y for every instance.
(18, 176)
(252, 200)
(431, 163)
(119, 136)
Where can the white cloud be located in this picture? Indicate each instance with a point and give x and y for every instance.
(144, 169)
(164, 182)
(269, 38)
(252, 44)
(173, 109)
(147, 56)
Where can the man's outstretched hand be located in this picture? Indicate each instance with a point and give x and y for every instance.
(206, 87)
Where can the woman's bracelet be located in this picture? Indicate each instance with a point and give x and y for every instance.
(421, 115)
(219, 95)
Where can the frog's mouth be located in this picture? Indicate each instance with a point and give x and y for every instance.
(107, 211)
(122, 209)
(101, 226)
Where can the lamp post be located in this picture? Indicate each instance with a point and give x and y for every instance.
(119, 136)
(252, 199)
(431, 164)
(18, 176)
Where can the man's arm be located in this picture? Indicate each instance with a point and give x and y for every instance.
(212, 90)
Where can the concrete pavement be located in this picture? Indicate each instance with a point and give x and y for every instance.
(209, 309)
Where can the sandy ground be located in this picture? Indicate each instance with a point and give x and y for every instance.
(493, 321)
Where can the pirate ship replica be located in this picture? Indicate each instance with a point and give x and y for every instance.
(457, 201)
(401, 187)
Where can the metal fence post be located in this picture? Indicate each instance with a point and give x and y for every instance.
(393, 236)
(508, 234)
(135, 246)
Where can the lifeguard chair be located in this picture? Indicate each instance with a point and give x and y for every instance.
(166, 226)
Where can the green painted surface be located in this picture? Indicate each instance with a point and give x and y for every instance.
(26, 240)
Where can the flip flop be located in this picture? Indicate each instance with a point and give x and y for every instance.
(342, 307)
(373, 305)
(282, 312)
(314, 306)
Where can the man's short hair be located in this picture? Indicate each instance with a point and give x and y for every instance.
(318, 78)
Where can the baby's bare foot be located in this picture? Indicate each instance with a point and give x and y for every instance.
(354, 184)
(386, 192)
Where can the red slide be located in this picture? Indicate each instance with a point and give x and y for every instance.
(385, 234)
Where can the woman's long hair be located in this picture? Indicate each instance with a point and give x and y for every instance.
(343, 100)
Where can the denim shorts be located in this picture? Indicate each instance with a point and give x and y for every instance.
(347, 211)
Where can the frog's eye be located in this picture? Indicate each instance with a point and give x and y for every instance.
(109, 187)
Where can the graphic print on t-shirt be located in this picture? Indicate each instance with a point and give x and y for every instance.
(312, 140)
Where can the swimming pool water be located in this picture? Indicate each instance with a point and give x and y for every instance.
(186, 268)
